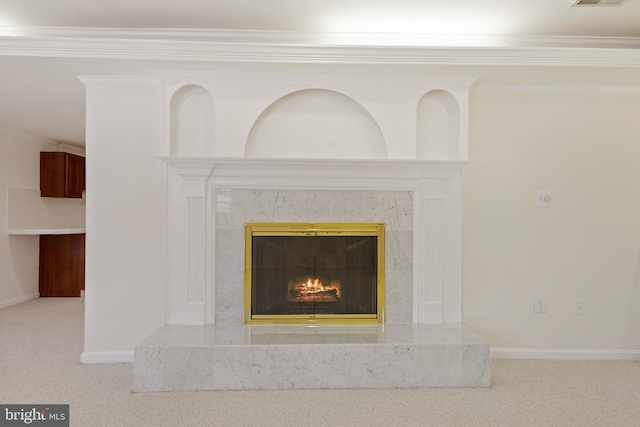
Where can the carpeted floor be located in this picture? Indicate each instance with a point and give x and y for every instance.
(41, 343)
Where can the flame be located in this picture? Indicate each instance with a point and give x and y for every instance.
(313, 288)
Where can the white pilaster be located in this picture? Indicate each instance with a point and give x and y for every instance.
(452, 250)
(196, 271)
(437, 238)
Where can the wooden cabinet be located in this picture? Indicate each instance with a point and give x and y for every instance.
(62, 260)
(61, 174)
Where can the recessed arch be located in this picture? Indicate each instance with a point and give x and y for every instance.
(316, 123)
(438, 121)
(192, 122)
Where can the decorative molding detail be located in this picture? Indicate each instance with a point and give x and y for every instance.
(19, 300)
(262, 79)
(327, 39)
(274, 46)
(564, 89)
(452, 251)
(73, 149)
(308, 38)
(194, 173)
(27, 136)
(434, 237)
(87, 80)
(195, 177)
(564, 354)
(433, 190)
(333, 174)
(197, 254)
(107, 357)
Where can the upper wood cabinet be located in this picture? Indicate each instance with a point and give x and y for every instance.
(61, 174)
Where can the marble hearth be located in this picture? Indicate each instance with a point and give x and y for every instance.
(257, 357)
(206, 346)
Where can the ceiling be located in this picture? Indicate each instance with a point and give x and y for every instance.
(495, 17)
(44, 45)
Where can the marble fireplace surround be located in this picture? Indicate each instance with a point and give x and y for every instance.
(209, 199)
(205, 345)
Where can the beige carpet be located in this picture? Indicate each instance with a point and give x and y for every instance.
(41, 343)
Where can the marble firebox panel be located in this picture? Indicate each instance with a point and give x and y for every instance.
(234, 207)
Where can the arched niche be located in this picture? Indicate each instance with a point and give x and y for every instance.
(192, 119)
(438, 132)
(316, 123)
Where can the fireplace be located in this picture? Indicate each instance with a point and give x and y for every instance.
(211, 199)
(314, 272)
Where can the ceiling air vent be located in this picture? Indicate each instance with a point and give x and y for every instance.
(602, 3)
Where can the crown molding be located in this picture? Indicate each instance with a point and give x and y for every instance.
(564, 89)
(36, 139)
(296, 47)
(325, 39)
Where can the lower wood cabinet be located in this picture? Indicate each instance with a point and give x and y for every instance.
(62, 259)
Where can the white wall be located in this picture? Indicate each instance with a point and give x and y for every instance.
(19, 168)
(585, 149)
(29, 211)
(126, 215)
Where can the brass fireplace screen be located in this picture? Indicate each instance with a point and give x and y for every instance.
(314, 272)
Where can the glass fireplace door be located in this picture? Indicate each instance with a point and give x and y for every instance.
(313, 275)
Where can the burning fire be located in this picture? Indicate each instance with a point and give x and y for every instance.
(315, 285)
(313, 290)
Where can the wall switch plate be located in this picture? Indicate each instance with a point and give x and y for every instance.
(540, 305)
(578, 307)
(543, 199)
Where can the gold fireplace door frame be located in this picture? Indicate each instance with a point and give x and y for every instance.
(314, 229)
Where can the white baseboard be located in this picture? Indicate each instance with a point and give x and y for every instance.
(19, 300)
(107, 357)
(564, 354)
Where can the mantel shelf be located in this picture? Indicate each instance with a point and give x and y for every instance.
(313, 173)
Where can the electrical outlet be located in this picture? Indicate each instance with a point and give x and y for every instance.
(578, 307)
(543, 199)
(540, 305)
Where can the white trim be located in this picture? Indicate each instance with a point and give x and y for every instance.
(107, 357)
(72, 149)
(21, 134)
(19, 300)
(277, 46)
(86, 80)
(47, 231)
(564, 89)
(334, 174)
(296, 81)
(315, 38)
(564, 354)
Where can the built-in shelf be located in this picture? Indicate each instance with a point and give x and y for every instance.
(46, 231)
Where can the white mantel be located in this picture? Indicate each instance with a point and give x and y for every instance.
(436, 188)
